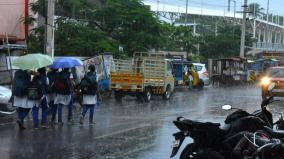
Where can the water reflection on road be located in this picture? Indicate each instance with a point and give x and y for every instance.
(129, 129)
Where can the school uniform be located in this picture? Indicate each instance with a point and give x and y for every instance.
(21, 79)
(89, 100)
(40, 103)
(63, 99)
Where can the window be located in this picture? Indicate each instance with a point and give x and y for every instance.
(198, 67)
(276, 72)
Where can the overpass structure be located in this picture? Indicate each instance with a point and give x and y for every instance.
(268, 35)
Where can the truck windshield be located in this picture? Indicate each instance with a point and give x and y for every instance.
(276, 72)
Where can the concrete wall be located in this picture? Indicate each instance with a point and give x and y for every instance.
(11, 12)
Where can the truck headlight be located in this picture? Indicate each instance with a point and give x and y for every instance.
(265, 81)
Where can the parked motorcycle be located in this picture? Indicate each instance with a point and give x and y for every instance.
(209, 138)
(259, 145)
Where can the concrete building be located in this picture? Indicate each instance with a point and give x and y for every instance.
(12, 13)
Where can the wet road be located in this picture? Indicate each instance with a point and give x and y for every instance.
(126, 130)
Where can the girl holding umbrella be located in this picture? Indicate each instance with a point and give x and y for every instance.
(63, 85)
(33, 95)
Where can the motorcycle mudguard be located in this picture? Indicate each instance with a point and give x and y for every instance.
(179, 136)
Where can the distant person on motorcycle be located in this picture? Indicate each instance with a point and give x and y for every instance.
(20, 85)
(89, 88)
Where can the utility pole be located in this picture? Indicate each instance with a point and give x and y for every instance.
(158, 3)
(186, 12)
(49, 28)
(243, 36)
(229, 5)
(267, 11)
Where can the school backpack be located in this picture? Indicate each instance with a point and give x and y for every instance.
(89, 84)
(51, 79)
(60, 84)
(20, 83)
(34, 91)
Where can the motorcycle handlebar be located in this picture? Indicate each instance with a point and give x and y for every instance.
(267, 101)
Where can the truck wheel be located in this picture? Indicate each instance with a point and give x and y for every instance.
(118, 95)
(147, 95)
(167, 94)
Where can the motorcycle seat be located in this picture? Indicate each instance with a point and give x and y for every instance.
(274, 133)
(186, 124)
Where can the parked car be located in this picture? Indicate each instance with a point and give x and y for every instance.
(5, 105)
(202, 72)
(275, 76)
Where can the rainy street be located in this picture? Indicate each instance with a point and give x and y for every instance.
(129, 129)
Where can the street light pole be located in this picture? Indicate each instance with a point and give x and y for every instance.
(186, 11)
(234, 9)
(242, 48)
(229, 5)
(267, 11)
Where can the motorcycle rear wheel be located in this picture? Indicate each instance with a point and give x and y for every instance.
(189, 153)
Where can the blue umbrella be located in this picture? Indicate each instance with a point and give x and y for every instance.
(66, 62)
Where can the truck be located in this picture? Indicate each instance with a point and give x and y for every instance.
(143, 76)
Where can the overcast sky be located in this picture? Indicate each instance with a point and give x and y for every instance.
(276, 6)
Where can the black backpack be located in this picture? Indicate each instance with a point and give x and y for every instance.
(34, 91)
(60, 85)
(89, 85)
(20, 83)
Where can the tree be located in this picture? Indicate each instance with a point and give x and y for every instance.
(225, 44)
(129, 22)
(255, 10)
(178, 38)
(84, 27)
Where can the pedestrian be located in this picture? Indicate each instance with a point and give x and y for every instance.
(37, 97)
(63, 88)
(89, 87)
(73, 79)
(20, 84)
(194, 74)
(51, 75)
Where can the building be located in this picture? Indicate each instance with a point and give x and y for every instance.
(12, 14)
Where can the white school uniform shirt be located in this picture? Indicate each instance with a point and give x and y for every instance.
(62, 99)
(89, 99)
(21, 102)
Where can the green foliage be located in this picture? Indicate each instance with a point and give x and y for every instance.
(255, 10)
(131, 23)
(225, 44)
(178, 38)
(85, 28)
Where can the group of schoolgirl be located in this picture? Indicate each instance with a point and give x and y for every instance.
(49, 92)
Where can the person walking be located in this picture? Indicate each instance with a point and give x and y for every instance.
(89, 87)
(20, 84)
(37, 97)
(51, 75)
(63, 89)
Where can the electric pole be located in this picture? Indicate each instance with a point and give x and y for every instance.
(267, 11)
(49, 28)
(229, 5)
(242, 49)
(186, 12)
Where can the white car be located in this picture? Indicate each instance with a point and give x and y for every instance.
(5, 96)
(202, 73)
